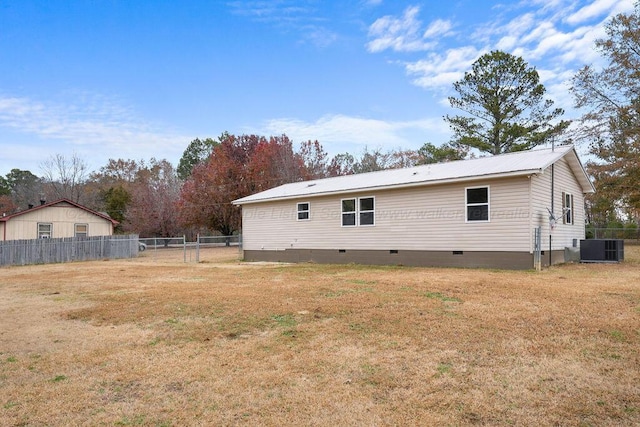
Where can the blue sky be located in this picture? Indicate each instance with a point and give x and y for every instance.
(137, 79)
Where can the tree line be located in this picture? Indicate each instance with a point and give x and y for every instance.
(503, 109)
(154, 199)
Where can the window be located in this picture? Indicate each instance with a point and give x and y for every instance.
(81, 230)
(303, 211)
(357, 212)
(477, 203)
(44, 230)
(567, 208)
(349, 212)
(366, 211)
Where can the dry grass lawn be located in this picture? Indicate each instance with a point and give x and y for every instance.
(159, 342)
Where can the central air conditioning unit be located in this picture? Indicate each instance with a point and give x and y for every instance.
(602, 250)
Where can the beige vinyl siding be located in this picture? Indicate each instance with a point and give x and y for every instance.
(540, 201)
(564, 182)
(63, 219)
(421, 218)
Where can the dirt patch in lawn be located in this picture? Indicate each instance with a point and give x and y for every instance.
(157, 341)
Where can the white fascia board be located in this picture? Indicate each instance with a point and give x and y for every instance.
(393, 186)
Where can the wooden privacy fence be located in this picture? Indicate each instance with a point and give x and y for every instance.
(66, 249)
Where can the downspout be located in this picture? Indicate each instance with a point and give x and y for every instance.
(553, 148)
(552, 210)
(531, 245)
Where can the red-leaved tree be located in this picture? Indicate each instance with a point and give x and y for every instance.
(154, 198)
(238, 166)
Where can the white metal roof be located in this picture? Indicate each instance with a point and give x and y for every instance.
(511, 164)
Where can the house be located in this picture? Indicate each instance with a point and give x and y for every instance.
(482, 212)
(61, 218)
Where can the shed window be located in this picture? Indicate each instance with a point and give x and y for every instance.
(81, 230)
(477, 204)
(44, 230)
(303, 211)
(567, 208)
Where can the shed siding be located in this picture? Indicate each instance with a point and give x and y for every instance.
(564, 181)
(428, 218)
(63, 218)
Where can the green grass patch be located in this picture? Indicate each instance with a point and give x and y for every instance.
(10, 405)
(58, 378)
(341, 292)
(234, 327)
(443, 368)
(442, 297)
(284, 320)
(360, 327)
(364, 282)
(138, 420)
(288, 322)
(617, 335)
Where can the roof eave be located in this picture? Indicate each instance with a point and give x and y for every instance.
(527, 172)
(55, 202)
(580, 172)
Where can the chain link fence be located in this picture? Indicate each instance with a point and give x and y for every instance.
(204, 242)
(203, 249)
(627, 233)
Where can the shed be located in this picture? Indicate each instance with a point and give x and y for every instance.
(481, 212)
(60, 218)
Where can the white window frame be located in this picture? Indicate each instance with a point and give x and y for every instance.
(84, 234)
(371, 211)
(567, 209)
(357, 212)
(354, 212)
(304, 211)
(467, 205)
(45, 234)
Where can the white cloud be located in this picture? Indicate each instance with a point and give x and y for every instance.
(95, 126)
(550, 34)
(320, 36)
(593, 10)
(438, 70)
(399, 34)
(507, 43)
(439, 27)
(296, 15)
(341, 129)
(282, 11)
(548, 5)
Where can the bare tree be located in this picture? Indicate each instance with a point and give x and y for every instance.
(154, 196)
(64, 177)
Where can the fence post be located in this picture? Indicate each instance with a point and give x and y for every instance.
(198, 248)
